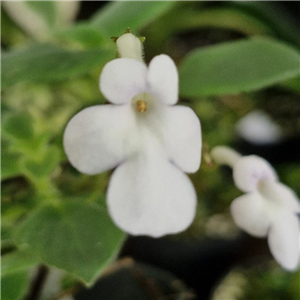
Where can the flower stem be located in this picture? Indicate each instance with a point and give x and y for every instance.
(45, 190)
(225, 156)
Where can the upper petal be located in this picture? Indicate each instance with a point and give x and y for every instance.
(182, 137)
(147, 195)
(279, 194)
(162, 79)
(283, 240)
(249, 170)
(95, 139)
(123, 78)
(248, 212)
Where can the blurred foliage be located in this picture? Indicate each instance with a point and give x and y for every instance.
(14, 285)
(51, 210)
(271, 285)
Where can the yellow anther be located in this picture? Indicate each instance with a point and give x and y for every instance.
(141, 106)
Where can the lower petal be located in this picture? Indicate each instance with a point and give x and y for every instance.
(95, 139)
(279, 194)
(182, 136)
(249, 214)
(283, 240)
(147, 195)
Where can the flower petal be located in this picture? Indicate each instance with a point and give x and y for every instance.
(95, 139)
(249, 170)
(280, 194)
(283, 240)
(123, 78)
(182, 136)
(248, 212)
(162, 79)
(147, 195)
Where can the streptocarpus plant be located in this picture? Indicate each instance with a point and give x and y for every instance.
(65, 223)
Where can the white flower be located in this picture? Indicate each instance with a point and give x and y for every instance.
(149, 140)
(268, 209)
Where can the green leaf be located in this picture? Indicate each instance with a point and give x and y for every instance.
(292, 84)
(270, 13)
(235, 67)
(5, 234)
(185, 18)
(222, 18)
(19, 126)
(48, 63)
(14, 286)
(17, 261)
(77, 237)
(45, 9)
(84, 35)
(10, 164)
(119, 15)
(44, 164)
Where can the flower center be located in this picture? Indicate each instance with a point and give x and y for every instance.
(141, 106)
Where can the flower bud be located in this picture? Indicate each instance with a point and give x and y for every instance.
(225, 156)
(130, 46)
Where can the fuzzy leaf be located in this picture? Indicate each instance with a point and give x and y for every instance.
(85, 35)
(17, 261)
(73, 236)
(48, 63)
(236, 67)
(119, 15)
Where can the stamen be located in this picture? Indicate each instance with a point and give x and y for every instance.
(141, 106)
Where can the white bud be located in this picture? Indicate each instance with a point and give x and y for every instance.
(129, 46)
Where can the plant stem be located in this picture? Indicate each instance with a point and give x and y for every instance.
(37, 284)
